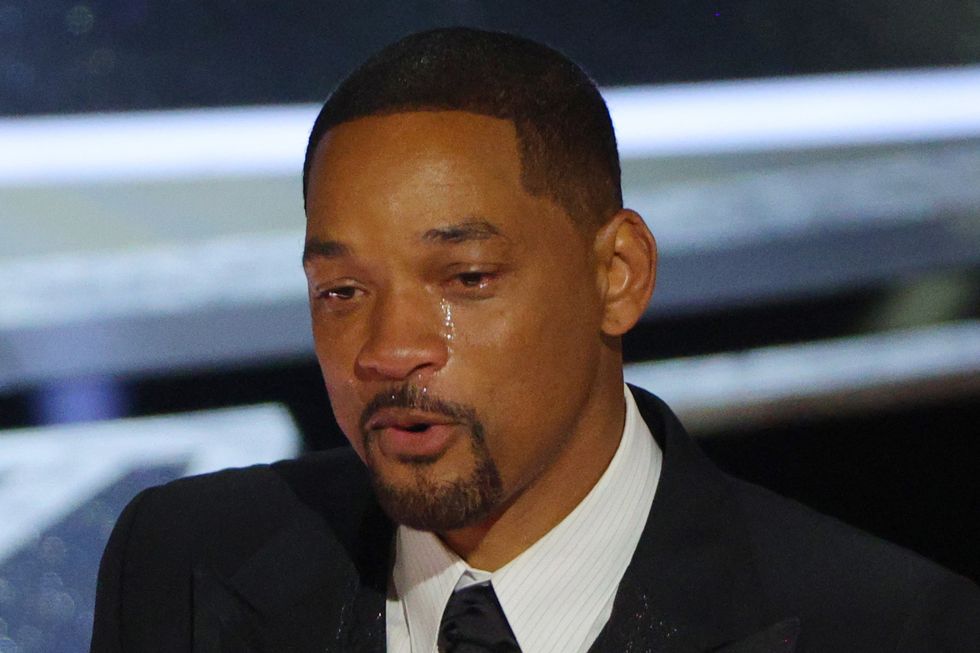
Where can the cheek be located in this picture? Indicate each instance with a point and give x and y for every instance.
(543, 333)
(534, 361)
(341, 388)
(494, 347)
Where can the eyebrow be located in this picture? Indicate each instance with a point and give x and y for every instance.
(315, 248)
(475, 229)
(472, 229)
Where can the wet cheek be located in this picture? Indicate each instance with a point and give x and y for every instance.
(448, 325)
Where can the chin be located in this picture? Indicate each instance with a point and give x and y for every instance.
(430, 505)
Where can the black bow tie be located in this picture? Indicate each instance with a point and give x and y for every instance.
(474, 622)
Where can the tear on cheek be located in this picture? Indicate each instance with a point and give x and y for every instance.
(448, 326)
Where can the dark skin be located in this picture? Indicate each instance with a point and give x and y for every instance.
(429, 264)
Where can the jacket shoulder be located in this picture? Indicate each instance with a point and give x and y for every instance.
(851, 590)
(851, 585)
(265, 529)
(245, 505)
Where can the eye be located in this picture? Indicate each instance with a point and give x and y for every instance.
(340, 293)
(474, 279)
(336, 298)
(473, 284)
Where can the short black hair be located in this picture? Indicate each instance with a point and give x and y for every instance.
(566, 139)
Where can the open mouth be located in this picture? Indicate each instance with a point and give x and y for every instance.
(412, 421)
(402, 433)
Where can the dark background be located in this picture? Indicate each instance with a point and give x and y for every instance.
(111, 55)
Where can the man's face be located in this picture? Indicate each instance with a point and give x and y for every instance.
(456, 317)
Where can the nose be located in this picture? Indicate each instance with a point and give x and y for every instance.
(404, 340)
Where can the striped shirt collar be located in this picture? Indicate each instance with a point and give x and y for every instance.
(558, 593)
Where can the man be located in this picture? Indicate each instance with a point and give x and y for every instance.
(471, 269)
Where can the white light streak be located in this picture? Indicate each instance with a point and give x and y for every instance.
(797, 112)
(812, 369)
(651, 121)
(50, 471)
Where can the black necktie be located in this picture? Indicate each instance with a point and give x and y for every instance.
(474, 622)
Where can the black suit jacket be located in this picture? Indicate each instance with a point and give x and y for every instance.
(295, 557)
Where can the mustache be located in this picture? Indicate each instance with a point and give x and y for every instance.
(412, 397)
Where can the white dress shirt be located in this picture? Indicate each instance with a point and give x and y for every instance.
(558, 594)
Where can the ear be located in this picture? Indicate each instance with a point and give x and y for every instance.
(626, 253)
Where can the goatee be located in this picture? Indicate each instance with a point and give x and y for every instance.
(423, 503)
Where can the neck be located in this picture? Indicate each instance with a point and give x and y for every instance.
(554, 492)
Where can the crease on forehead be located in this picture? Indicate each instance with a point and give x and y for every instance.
(466, 230)
(473, 228)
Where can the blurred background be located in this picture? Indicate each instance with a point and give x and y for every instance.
(811, 172)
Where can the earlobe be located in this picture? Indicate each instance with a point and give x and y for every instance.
(628, 257)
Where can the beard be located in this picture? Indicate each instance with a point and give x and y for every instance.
(425, 504)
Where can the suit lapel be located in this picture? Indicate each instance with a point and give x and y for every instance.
(372, 551)
(316, 585)
(692, 584)
(780, 637)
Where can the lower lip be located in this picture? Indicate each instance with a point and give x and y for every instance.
(399, 443)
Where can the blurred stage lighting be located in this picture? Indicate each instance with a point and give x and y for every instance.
(775, 384)
(668, 120)
(62, 489)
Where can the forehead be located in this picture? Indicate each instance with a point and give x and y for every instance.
(411, 133)
(408, 167)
